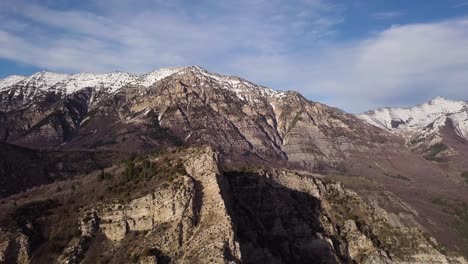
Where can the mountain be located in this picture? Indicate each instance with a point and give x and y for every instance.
(423, 121)
(69, 83)
(248, 126)
(437, 129)
(191, 105)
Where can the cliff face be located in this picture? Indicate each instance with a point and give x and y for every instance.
(187, 221)
(286, 217)
(190, 106)
(203, 215)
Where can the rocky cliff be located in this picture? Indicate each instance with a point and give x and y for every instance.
(200, 214)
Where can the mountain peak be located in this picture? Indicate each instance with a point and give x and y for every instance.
(425, 118)
(439, 100)
(166, 69)
(113, 81)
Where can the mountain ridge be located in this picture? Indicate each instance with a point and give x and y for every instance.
(248, 125)
(51, 79)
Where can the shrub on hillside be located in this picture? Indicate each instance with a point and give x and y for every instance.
(104, 176)
(465, 175)
(434, 151)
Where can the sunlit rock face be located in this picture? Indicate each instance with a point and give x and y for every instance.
(178, 105)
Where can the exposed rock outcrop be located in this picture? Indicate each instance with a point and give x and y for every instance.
(187, 220)
(14, 247)
(204, 215)
(296, 218)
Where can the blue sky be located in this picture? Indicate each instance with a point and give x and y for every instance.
(354, 54)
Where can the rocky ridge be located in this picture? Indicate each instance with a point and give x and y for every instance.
(188, 219)
(188, 106)
(277, 216)
(28, 88)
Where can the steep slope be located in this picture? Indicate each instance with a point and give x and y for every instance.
(190, 105)
(185, 210)
(22, 168)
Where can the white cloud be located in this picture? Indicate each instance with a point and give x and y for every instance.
(400, 66)
(130, 36)
(404, 64)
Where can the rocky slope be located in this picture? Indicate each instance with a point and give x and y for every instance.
(190, 106)
(246, 124)
(202, 215)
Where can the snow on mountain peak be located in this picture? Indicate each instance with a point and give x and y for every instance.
(156, 75)
(10, 80)
(113, 81)
(70, 83)
(424, 118)
(244, 89)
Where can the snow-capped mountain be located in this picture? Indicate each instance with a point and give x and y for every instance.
(423, 121)
(64, 84)
(69, 83)
(192, 104)
(246, 124)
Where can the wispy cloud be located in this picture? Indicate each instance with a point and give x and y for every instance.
(401, 65)
(461, 4)
(407, 63)
(388, 14)
(138, 38)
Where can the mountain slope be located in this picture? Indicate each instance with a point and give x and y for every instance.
(22, 168)
(188, 211)
(193, 106)
(247, 124)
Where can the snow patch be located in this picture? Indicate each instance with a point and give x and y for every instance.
(11, 80)
(460, 122)
(243, 89)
